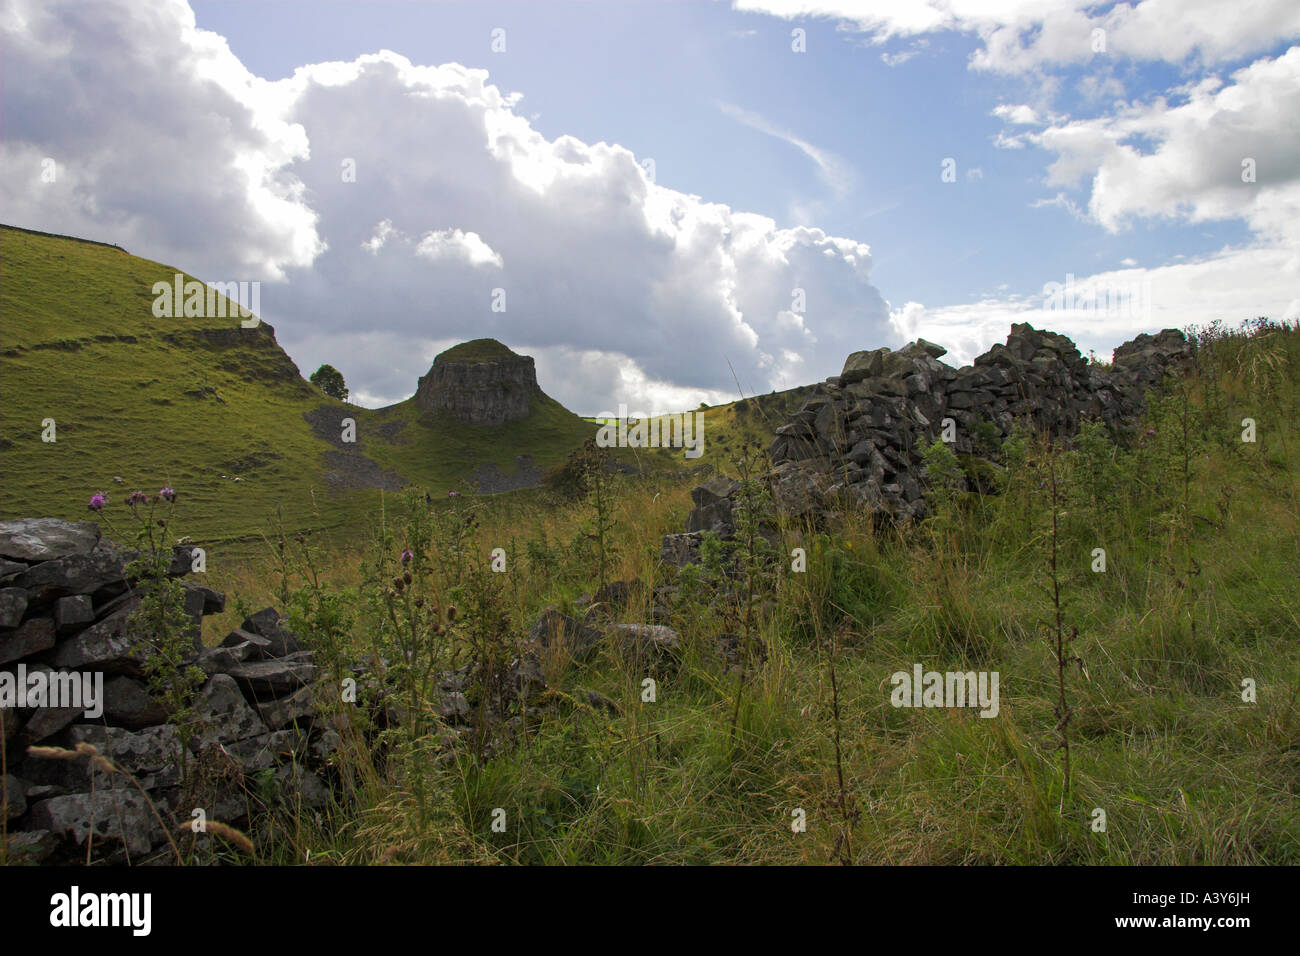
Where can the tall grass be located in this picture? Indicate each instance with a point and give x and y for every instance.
(1160, 737)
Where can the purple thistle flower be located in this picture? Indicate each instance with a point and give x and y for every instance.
(1150, 431)
(136, 498)
(407, 555)
(453, 494)
(97, 501)
(117, 479)
(167, 494)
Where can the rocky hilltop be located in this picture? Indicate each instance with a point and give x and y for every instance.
(481, 383)
(859, 439)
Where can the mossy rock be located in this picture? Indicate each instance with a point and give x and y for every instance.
(982, 475)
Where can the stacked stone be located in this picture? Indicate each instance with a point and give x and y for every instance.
(1141, 362)
(859, 440)
(65, 603)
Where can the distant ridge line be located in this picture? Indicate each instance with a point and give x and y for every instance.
(59, 235)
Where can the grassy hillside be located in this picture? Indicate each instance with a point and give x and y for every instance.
(179, 401)
(197, 403)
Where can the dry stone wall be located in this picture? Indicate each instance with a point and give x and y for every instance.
(65, 605)
(859, 439)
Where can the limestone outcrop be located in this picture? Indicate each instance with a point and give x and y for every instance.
(481, 383)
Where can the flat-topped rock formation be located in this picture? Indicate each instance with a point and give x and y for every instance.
(481, 383)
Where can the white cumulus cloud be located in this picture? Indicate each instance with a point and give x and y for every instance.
(390, 202)
(1017, 36)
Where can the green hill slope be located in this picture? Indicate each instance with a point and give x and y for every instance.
(224, 416)
(199, 402)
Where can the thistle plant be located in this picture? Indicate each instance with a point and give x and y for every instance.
(1062, 649)
(599, 484)
(843, 849)
(750, 507)
(409, 618)
(160, 622)
(450, 533)
(313, 606)
(409, 611)
(486, 629)
(1177, 442)
(324, 614)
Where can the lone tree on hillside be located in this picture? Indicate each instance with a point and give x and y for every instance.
(330, 381)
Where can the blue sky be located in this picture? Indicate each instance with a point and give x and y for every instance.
(1119, 166)
(651, 75)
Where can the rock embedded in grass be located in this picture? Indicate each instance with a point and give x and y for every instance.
(480, 383)
(680, 550)
(554, 628)
(645, 641)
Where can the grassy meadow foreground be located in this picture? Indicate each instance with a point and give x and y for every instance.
(1178, 662)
